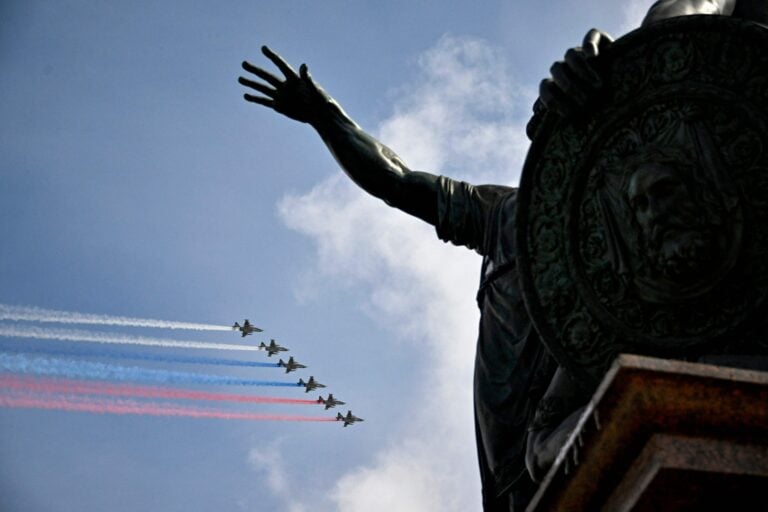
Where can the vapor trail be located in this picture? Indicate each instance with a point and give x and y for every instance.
(41, 333)
(117, 406)
(52, 367)
(16, 384)
(141, 356)
(35, 314)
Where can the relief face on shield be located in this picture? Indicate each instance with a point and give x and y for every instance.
(677, 218)
(675, 237)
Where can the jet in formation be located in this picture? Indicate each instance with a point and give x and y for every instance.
(310, 384)
(273, 348)
(330, 402)
(348, 419)
(247, 328)
(291, 365)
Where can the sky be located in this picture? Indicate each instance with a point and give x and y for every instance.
(135, 181)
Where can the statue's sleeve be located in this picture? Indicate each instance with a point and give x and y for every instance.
(464, 211)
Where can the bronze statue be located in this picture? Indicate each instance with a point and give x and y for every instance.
(513, 368)
(658, 247)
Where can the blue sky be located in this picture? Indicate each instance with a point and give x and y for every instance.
(135, 181)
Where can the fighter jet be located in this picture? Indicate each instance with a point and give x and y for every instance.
(329, 402)
(291, 365)
(310, 384)
(273, 348)
(247, 328)
(348, 419)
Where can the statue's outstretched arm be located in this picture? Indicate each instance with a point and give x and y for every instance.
(368, 162)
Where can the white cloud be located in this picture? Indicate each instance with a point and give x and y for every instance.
(269, 461)
(397, 481)
(459, 118)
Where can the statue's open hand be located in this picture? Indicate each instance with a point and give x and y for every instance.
(297, 97)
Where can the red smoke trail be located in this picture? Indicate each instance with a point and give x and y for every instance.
(26, 384)
(102, 406)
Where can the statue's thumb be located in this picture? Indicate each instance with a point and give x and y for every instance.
(304, 72)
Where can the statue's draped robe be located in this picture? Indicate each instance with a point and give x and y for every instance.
(512, 368)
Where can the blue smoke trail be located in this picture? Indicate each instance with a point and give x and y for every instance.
(108, 354)
(20, 363)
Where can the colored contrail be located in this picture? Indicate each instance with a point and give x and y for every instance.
(40, 333)
(119, 406)
(143, 356)
(53, 367)
(16, 384)
(35, 314)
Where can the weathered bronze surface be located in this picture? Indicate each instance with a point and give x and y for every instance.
(639, 228)
(642, 226)
(656, 433)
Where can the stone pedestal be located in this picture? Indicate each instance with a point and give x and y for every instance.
(662, 435)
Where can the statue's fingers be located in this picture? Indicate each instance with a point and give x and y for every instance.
(568, 83)
(307, 77)
(591, 43)
(305, 74)
(534, 124)
(554, 98)
(258, 99)
(256, 86)
(605, 40)
(577, 62)
(283, 66)
(596, 41)
(264, 75)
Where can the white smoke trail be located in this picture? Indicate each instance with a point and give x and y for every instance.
(35, 314)
(15, 331)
